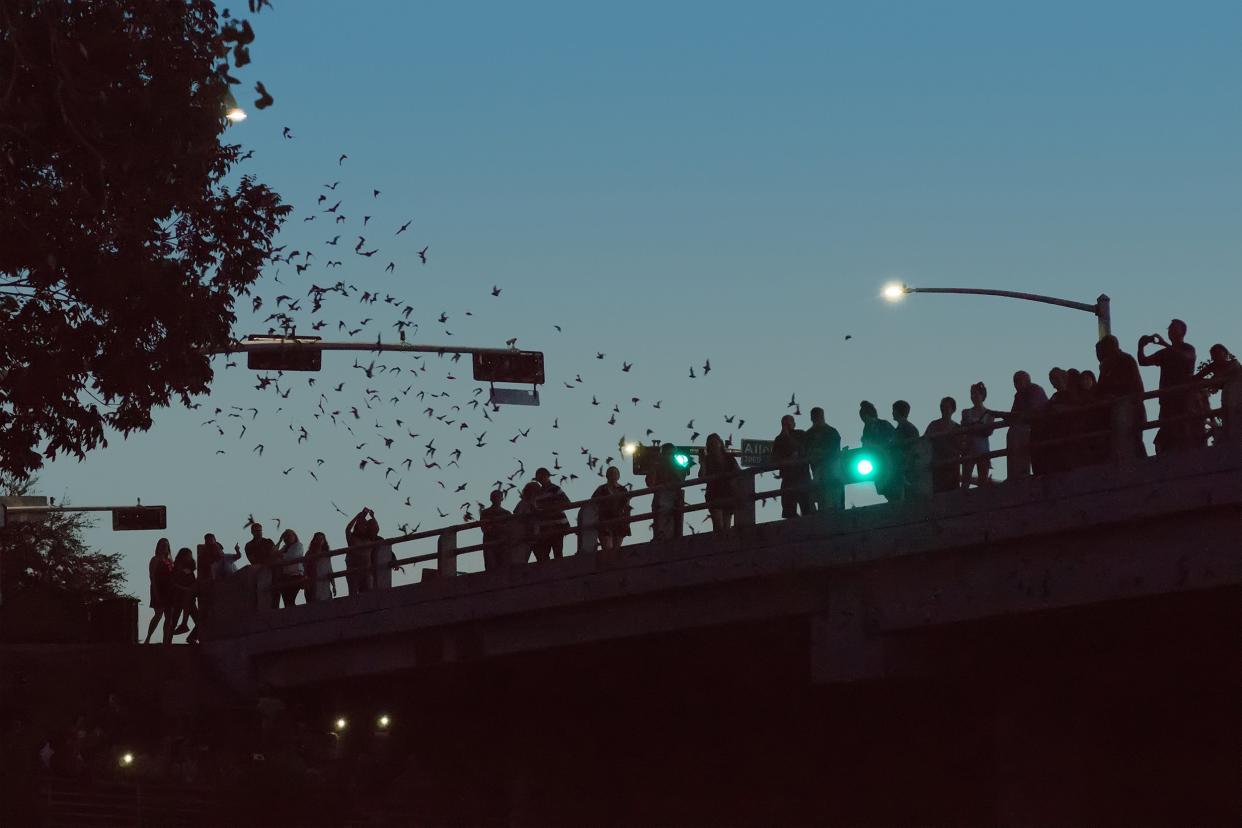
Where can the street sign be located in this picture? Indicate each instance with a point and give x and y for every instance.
(139, 518)
(7, 517)
(509, 366)
(756, 453)
(513, 396)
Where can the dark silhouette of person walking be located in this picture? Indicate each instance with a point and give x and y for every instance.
(497, 529)
(291, 574)
(163, 599)
(946, 448)
(612, 501)
(184, 586)
(878, 436)
(823, 451)
(789, 449)
(1176, 360)
(720, 470)
(553, 525)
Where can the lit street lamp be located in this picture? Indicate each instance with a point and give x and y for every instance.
(895, 291)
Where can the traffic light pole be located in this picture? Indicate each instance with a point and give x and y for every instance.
(278, 343)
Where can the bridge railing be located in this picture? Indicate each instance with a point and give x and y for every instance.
(1120, 443)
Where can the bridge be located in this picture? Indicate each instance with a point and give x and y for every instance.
(1060, 649)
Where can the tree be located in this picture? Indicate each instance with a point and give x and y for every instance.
(122, 249)
(52, 554)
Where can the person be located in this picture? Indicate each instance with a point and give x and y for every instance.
(553, 525)
(260, 551)
(1176, 360)
(977, 427)
(291, 574)
(226, 565)
(530, 540)
(209, 552)
(720, 469)
(1221, 367)
(904, 437)
(496, 529)
(1120, 379)
(1029, 403)
(789, 450)
(183, 586)
(613, 503)
(946, 448)
(823, 450)
(359, 567)
(878, 436)
(321, 586)
(163, 600)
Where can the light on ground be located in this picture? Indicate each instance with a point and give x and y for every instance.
(893, 291)
(865, 467)
(383, 721)
(340, 724)
(127, 759)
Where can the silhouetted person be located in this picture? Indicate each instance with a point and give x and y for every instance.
(553, 525)
(905, 435)
(291, 574)
(721, 470)
(1120, 379)
(527, 513)
(496, 532)
(1222, 366)
(878, 436)
(184, 591)
(260, 551)
(612, 500)
(823, 451)
(977, 428)
(790, 447)
(210, 555)
(359, 563)
(321, 586)
(163, 599)
(1177, 367)
(946, 448)
(1029, 403)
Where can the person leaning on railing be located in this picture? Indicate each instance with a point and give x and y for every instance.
(946, 448)
(496, 526)
(613, 509)
(720, 492)
(1120, 379)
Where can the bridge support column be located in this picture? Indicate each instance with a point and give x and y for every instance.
(446, 554)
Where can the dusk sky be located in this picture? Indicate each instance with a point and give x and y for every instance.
(672, 183)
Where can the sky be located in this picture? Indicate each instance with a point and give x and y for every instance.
(677, 182)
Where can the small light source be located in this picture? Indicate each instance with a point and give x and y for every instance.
(865, 467)
(126, 759)
(893, 291)
(681, 459)
(340, 724)
(236, 114)
(383, 721)
(630, 448)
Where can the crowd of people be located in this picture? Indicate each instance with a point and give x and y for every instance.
(1045, 433)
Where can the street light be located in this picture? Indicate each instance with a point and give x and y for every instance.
(232, 110)
(895, 291)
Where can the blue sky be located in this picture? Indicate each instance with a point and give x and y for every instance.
(677, 182)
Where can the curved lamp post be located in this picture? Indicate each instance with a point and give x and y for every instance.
(895, 291)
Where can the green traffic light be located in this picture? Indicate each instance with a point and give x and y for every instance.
(865, 467)
(682, 460)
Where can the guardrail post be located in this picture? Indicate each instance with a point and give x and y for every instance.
(919, 468)
(1231, 402)
(446, 554)
(381, 559)
(666, 524)
(1127, 431)
(744, 491)
(588, 528)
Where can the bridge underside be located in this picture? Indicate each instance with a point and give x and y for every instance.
(1108, 715)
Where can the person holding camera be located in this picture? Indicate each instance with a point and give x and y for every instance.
(359, 571)
(1176, 359)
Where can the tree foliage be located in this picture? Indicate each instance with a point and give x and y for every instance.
(53, 555)
(122, 247)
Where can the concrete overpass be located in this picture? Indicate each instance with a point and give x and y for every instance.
(1060, 649)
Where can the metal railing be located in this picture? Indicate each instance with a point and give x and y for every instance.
(669, 509)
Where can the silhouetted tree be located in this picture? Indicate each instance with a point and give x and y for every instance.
(52, 554)
(122, 250)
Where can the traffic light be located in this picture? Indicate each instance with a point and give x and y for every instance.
(683, 457)
(863, 465)
(644, 458)
(509, 366)
(290, 358)
(139, 518)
